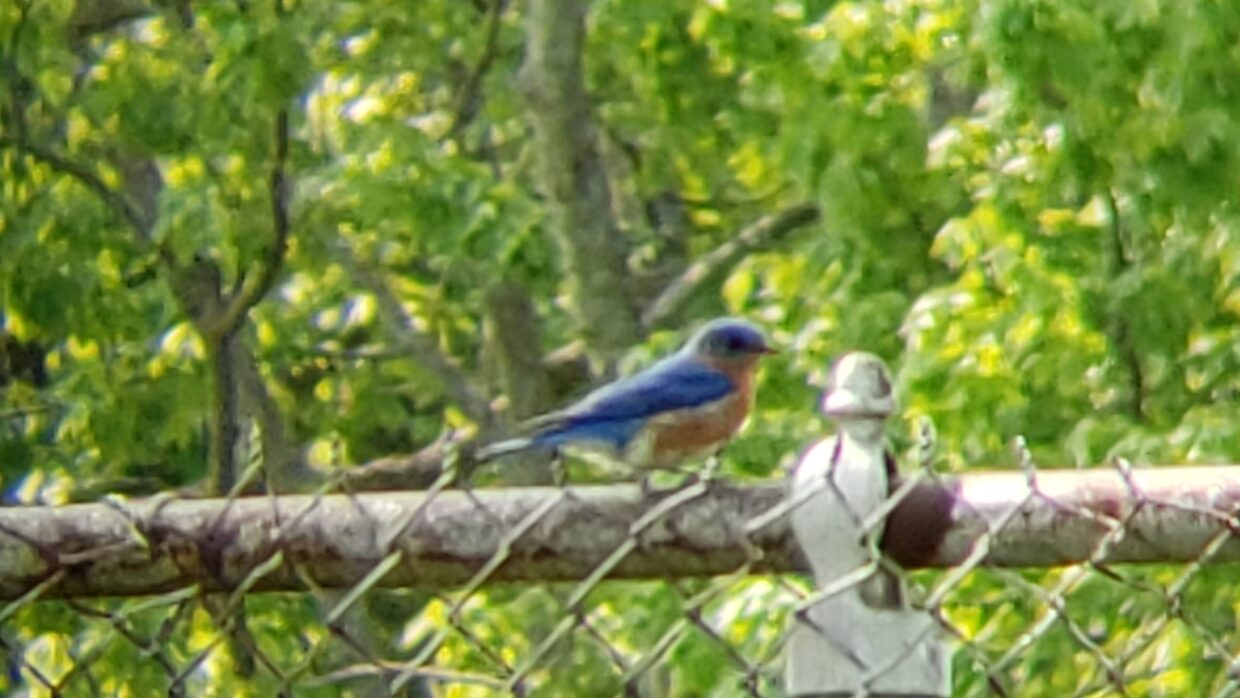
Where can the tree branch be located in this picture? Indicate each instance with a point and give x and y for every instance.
(223, 353)
(709, 270)
(258, 284)
(1120, 329)
(90, 17)
(513, 343)
(456, 384)
(513, 339)
(573, 178)
(196, 286)
(417, 471)
(80, 172)
(469, 97)
(282, 458)
(20, 87)
(221, 316)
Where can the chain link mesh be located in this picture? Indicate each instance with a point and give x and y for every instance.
(1089, 628)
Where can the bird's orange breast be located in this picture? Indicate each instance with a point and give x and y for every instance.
(683, 434)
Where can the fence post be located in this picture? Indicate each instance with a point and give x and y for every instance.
(856, 635)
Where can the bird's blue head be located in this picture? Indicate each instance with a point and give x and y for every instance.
(729, 339)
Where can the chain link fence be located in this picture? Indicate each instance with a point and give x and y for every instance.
(1039, 582)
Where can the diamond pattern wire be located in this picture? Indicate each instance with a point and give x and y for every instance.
(1091, 627)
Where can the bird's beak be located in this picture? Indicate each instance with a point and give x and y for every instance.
(768, 350)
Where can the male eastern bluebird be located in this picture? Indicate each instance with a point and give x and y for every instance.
(688, 404)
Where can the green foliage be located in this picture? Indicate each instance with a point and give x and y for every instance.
(1029, 210)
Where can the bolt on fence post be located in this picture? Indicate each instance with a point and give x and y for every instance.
(856, 635)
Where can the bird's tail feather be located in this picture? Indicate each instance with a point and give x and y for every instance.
(504, 448)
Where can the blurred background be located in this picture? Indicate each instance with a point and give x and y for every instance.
(344, 239)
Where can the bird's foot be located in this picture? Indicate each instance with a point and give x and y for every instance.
(650, 489)
(714, 465)
(646, 487)
(710, 475)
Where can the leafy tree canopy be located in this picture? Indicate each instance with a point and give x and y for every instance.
(329, 232)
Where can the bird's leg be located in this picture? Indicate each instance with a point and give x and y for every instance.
(710, 473)
(646, 487)
(688, 479)
(559, 470)
(691, 477)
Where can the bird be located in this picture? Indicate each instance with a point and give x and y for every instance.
(687, 405)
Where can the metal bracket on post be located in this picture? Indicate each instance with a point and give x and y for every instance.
(857, 635)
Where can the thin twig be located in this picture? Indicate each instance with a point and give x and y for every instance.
(467, 99)
(112, 198)
(18, 83)
(707, 270)
(456, 384)
(257, 285)
(1121, 328)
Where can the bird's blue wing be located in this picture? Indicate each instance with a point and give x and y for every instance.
(678, 383)
(616, 412)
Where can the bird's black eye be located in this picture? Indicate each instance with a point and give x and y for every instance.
(728, 343)
(737, 343)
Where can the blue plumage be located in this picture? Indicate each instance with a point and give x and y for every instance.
(616, 412)
(708, 371)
